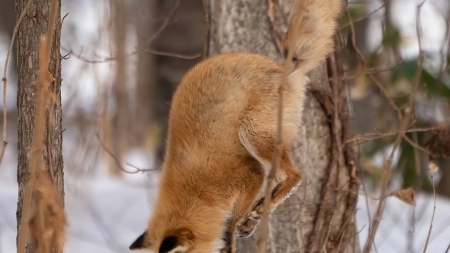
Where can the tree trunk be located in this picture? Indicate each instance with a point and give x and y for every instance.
(120, 123)
(145, 71)
(320, 216)
(33, 26)
(152, 94)
(158, 75)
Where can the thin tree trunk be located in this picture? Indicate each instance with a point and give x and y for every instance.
(33, 26)
(158, 75)
(152, 94)
(120, 122)
(145, 72)
(320, 216)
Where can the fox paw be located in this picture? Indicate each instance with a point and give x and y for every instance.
(247, 227)
(249, 223)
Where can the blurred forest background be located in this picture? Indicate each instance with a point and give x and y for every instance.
(122, 60)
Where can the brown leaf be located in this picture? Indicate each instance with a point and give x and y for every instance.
(406, 195)
(439, 144)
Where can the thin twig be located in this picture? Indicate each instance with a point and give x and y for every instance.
(5, 80)
(117, 160)
(104, 60)
(180, 56)
(207, 10)
(432, 216)
(166, 22)
(262, 240)
(371, 73)
(415, 145)
(364, 17)
(448, 249)
(404, 126)
(70, 53)
(363, 184)
(374, 136)
(136, 167)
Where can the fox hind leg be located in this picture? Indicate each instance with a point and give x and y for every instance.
(261, 147)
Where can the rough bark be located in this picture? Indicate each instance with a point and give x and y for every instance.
(320, 216)
(33, 26)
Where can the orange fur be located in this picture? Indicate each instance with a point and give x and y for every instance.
(310, 34)
(222, 130)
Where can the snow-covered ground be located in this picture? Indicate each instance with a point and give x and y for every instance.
(105, 215)
(405, 228)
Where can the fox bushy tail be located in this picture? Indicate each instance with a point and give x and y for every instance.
(309, 38)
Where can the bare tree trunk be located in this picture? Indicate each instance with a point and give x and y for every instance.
(33, 26)
(320, 216)
(158, 75)
(145, 71)
(120, 122)
(152, 94)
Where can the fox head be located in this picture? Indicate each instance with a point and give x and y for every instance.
(182, 240)
(184, 223)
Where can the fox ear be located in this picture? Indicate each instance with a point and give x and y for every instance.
(179, 241)
(169, 244)
(139, 242)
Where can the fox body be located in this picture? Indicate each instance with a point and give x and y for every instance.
(222, 130)
(221, 136)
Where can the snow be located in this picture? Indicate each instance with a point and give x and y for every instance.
(106, 214)
(405, 228)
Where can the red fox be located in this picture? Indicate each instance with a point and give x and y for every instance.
(222, 130)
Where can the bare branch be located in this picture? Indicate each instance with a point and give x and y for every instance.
(405, 122)
(181, 56)
(138, 170)
(432, 216)
(351, 22)
(166, 22)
